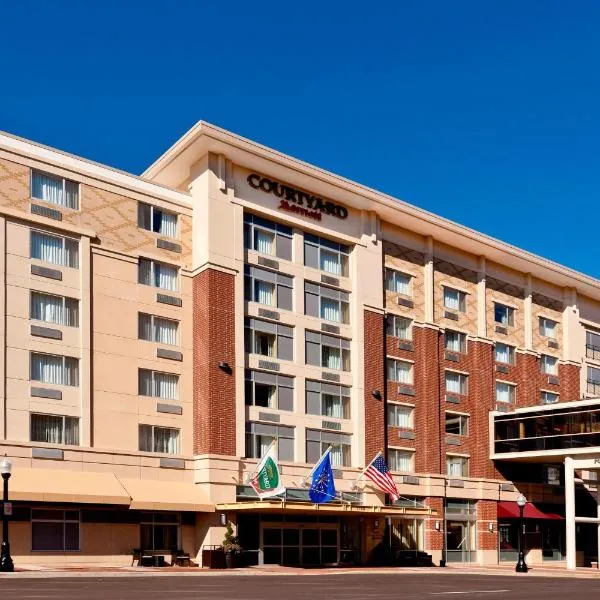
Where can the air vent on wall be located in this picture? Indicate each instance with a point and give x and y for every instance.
(450, 315)
(330, 328)
(405, 345)
(267, 262)
(405, 302)
(407, 390)
(268, 314)
(553, 344)
(452, 356)
(267, 364)
(330, 280)
(330, 376)
(502, 330)
(501, 368)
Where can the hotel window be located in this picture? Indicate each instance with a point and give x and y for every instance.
(157, 220)
(455, 299)
(457, 466)
(326, 303)
(158, 385)
(157, 329)
(399, 371)
(160, 531)
(401, 461)
(399, 415)
(54, 369)
(55, 249)
(505, 392)
(592, 345)
(268, 288)
(54, 189)
(457, 424)
(326, 255)
(398, 282)
(551, 475)
(455, 341)
(504, 315)
(260, 436)
(269, 339)
(54, 429)
(269, 390)
(54, 530)
(505, 354)
(549, 398)
(327, 400)
(593, 380)
(548, 328)
(549, 364)
(158, 274)
(456, 383)
(327, 351)
(318, 441)
(399, 327)
(158, 439)
(54, 309)
(267, 237)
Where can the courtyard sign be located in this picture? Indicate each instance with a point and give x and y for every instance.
(297, 201)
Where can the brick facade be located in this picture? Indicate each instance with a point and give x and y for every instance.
(214, 342)
(487, 512)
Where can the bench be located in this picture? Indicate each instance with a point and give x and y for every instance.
(180, 558)
(148, 558)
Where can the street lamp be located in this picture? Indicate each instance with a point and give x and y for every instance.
(521, 565)
(6, 563)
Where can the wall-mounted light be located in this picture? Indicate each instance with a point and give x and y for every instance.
(437, 525)
(224, 366)
(376, 394)
(223, 519)
(491, 527)
(376, 524)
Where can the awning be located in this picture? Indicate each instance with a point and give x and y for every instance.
(57, 485)
(166, 495)
(510, 510)
(283, 506)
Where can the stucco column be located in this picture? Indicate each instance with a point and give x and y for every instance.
(428, 283)
(528, 314)
(481, 320)
(570, 513)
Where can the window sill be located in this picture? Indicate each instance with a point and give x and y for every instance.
(55, 205)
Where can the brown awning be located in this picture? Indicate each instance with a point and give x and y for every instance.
(166, 495)
(58, 485)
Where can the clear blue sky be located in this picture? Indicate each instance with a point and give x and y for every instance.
(485, 112)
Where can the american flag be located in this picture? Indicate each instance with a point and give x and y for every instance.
(380, 475)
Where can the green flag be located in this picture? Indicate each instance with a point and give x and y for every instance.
(267, 482)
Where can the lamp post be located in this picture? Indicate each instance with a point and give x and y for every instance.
(6, 562)
(521, 565)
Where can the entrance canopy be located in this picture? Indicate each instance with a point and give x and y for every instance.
(510, 510)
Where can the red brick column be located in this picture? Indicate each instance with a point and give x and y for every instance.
(374, 360)
(569, 375)
(487, 512)
(428, 426)
(528, 379)
(214, 342)
(434, 540)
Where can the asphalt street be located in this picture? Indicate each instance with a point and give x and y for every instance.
(323, 587)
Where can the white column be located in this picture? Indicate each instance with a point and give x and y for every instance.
(570, 512)
(429, 283)
(481, 299)
(528, 314)
(598, 515)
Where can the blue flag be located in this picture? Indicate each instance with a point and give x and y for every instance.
(322, 488)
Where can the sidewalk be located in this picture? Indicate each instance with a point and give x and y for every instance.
(39, 571)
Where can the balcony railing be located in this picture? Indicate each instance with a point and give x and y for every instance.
(593, 387)
(592, 351)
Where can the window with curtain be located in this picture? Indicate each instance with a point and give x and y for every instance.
(505, 392)
(267, 237)
(549, 364)
(54, 309)
(54, 530)
(268, 339)
(331, 310)
(153, 438)
(457, 466)
(158, 384)
(157, 329)
(264, 241)
(326, 303)
(54, 369)
(399, 371)
(504, 315)
(54, 189)
(455, 299)
(455, 341)
(264, 293)
(327, 400)
(327, 351)
(548, 328)
(326, 255)
(457, 424)
(54, 429)
(260, 436)
(456, 383)
(505, 354)
(318, 441)
(269, 390)
(397, 282)
(157, 220)
(400, 415)
(401, 461)
(399, 327)
(55, 249)
(592, 345)
(549, 398)
(158, 274)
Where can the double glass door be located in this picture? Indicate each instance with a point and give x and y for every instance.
(300, 544)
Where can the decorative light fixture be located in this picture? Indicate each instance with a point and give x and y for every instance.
(437, 525)
(491, 527)
(521, 565)
(6, 562)
(225, 367)
(376, 394)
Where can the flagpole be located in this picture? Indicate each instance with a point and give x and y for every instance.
(251, 475)
(305, 479)
(362, 474)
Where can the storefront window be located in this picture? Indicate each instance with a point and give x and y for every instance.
(160, 531)
(461, 531)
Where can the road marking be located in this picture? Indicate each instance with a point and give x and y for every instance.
(469, 592)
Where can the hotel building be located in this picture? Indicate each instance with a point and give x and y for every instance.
(160, 331)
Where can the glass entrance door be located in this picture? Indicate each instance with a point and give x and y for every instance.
(460, 541)
(300, 544)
